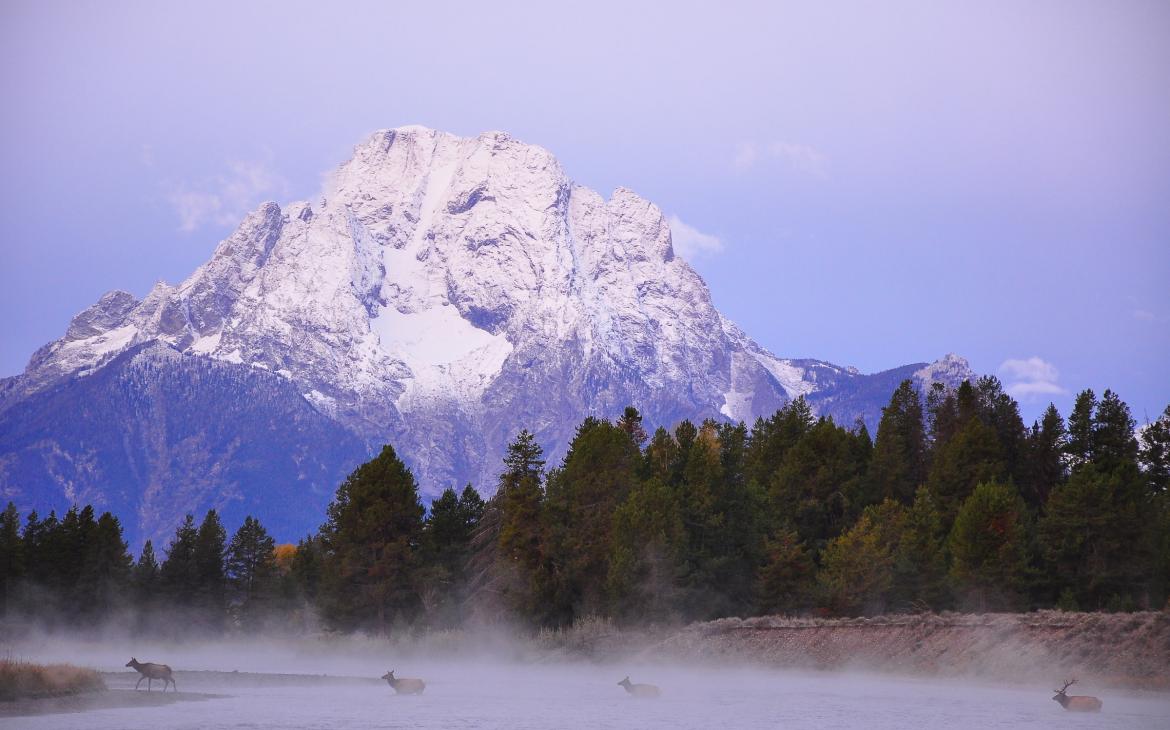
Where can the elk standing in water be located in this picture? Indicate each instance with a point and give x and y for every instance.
(406, 685)
(151, 672)
(640, 690)
(1077, 703)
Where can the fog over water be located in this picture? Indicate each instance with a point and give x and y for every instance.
(491, 691)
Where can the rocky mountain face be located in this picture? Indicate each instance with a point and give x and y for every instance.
(154, 434)
(441, 294)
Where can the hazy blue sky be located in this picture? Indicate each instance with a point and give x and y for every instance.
(867, 183)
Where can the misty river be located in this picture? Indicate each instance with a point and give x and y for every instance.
(482, 694)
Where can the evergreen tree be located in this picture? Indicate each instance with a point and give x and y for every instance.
(972, 456)
(1096, 536)
(920, 561)
(631, 424)
(819, 487)
(1081, 424)
(725, 521)
(598, 472)
(1045, 462)
(1113, 441)
(695, 490)
(520, 496)
(305, 569)
(447, 536)
(1155, 453)
(648, 539)
(786, 579)
(1155, 460)
(863, 455)
(989, 545)
(11, 557)
(145, 580)
(251, 572)
(661, 455)
(178, 575)
(685, 435)
(1000, 412)
(68, 548)
(772, 438)
(942, 412)
(1099, 533)
(105, 568)
(370, 540)
(54, 559)
(33, 539)
(857, 568)
(743, 505)
(898, 466)
(524, 458)
(210, 576)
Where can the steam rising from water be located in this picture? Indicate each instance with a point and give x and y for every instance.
(496, 688)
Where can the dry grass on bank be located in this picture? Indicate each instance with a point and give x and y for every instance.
(1129, 650)
(21, 679)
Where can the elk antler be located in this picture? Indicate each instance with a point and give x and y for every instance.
(1067, 684)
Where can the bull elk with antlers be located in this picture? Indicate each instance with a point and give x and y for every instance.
(1076, 703)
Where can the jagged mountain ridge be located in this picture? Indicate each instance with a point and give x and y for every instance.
(444, 292)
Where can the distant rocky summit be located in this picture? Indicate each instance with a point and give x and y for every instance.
(441, 294)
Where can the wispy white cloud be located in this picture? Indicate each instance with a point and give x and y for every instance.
(1141, 312)
(226, 198)
(691, 243)
(800, 158)
(1031, 377)
(746, 155)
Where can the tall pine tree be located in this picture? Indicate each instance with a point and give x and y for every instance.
(989, 544)
(210, 577)
(520, 496)
(371, 540)
(898, 466)
(11, 558)
(251, 573)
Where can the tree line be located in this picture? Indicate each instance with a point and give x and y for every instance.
(956, 504)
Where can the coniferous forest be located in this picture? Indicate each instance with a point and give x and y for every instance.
(956, 504)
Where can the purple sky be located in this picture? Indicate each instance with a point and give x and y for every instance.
(870, 184)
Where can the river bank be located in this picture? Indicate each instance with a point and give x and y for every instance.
(108, 699)
(1123, 650)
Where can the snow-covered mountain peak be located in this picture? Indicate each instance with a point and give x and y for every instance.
(105, 314)
(458, 289)
(949, 370)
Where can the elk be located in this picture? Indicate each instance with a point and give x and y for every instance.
(406, 685)
(640, 690)
(151, 672)
(1076, 703)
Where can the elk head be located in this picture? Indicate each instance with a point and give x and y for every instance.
(1060, 696)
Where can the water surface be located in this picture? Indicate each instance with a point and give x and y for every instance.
(491, 695)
